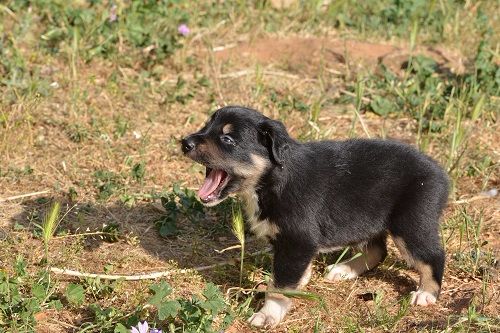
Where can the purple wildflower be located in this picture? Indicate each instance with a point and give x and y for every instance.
(144, 328)
(112, 14)
(183, 29)
(141, 328)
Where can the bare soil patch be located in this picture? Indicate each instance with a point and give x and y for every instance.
(309, 54)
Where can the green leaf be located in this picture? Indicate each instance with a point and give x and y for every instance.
(32, 306)
(20, 267)
(119, 328)
(169, 204)
(214, 301)
(75, 294)
(38, 291)
(19, 227)
(168, 228)
(56, 304)
(168, 309)
(138, 171)
(190, 311)
(382, 106)
(161, 290)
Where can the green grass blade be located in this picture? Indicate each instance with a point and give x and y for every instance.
(50, 224)
(239, 232)
(309, 296)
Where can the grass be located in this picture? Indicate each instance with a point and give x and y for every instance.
(95, 96)
(239, 232)
(49, 226)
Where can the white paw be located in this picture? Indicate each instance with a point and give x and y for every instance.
(340, 272)
(271, 314)
(422, 298)
(260, 319)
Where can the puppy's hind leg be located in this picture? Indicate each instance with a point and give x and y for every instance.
(371, 255)
(427, 256)
(416, 235)
(414, 226)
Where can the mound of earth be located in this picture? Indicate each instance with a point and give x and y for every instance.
(309, 54)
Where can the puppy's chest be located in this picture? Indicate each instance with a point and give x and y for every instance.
(262, 228)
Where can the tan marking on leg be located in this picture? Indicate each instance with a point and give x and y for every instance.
(351, 269)
(270, 286)
(330, 249)
(227, 128)
(277, 305)
(428, 288)
(427, 282)
(401, 245)
(306, 277)
(272, 312)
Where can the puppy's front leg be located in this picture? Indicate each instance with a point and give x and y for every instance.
(274, 310)
(292, 270)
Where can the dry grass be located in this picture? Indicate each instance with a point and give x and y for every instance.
(103, 115)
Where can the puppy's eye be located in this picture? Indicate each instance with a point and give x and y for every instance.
(227, 139)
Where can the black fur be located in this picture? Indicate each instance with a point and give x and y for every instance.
(332, 193)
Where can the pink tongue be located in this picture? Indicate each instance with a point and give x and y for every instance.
(211, 182)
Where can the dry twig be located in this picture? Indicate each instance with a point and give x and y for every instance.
(150, 276)
(20, 196)
(483, 195)
(246, 72)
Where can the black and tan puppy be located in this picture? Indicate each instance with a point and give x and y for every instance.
(314, 197)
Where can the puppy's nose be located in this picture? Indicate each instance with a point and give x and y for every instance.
(187, 144)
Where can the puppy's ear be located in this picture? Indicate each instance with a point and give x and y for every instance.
(275, 138)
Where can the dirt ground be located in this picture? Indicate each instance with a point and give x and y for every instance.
(296, 63)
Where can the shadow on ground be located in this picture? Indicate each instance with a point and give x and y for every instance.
(129, 236)
(135, 246)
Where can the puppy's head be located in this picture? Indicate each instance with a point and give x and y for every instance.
(238, 146)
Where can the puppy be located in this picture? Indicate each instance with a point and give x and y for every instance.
(308, 198)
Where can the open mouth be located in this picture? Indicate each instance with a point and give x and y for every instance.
(215, 181)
